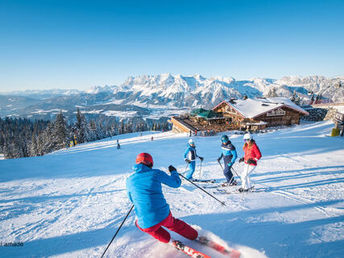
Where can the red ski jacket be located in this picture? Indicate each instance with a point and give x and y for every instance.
(252, 152)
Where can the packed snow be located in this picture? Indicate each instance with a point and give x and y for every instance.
(71, 202)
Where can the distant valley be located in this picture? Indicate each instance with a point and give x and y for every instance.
(153, 97)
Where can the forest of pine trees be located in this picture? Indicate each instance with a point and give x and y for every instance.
(21, 137)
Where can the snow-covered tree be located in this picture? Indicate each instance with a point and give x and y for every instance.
(272, 93)
(60, 131)
(81, 127)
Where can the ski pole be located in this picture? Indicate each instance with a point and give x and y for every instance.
(187, 164)
(235, 172)
(223, 203)
(231, 169)
(220, 164)
(118, 230)
(200, 170)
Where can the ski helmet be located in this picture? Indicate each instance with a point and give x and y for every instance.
(224, 139)
(145, 159)
(191, 142)
(247, 136)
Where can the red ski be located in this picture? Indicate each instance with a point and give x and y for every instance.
(220, 248)
(188, 250)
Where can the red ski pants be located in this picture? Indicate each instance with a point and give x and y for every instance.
(173, 224)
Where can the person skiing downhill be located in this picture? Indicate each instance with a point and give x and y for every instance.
(252, 155)
(229, 156)
(190, 156)
(144, 189)
(118, 145)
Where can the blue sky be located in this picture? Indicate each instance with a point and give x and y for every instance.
(79, 44)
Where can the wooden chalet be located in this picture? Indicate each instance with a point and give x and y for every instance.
(248, 114)
(257, 114)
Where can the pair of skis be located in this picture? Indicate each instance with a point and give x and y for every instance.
(237, 191)
(204, 180)
(219, 186)
(232, 253)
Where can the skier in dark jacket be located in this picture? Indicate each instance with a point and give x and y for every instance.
(229, 156)
(190, 156)
(144, 189)
(118, 145)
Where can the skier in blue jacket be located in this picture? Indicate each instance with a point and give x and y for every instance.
(190, 156)
(229, 156)
(144, 189)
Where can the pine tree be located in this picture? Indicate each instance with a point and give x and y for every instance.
(81, 127)
(60, 131)
(33, 147)
(295, 98)
(272, 93)
(40, 145)
(93, 131)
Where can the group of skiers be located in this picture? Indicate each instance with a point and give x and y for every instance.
(144, 186)
(229, 156)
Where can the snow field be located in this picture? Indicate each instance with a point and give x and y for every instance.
(71, 202)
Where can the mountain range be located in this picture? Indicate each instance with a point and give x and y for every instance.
(155, 96)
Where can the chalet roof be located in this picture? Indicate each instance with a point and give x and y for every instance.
(206, 114)
(251, 108)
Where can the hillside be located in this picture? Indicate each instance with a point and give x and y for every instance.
(71, 202)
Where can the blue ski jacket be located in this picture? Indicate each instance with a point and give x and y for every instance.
(145, 192)
(190, 153)
(229, 150)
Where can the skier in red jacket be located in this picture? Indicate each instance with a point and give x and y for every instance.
(252, 155)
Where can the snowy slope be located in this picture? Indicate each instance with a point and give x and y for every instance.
(71, 202)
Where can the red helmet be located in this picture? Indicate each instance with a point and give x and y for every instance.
(145, 159)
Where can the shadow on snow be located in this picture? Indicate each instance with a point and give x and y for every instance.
(276, 238)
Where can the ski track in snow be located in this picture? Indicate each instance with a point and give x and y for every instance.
(71, 202)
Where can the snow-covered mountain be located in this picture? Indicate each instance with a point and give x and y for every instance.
(330, 88)
(164, 94)
(182, 91)
(189, 91)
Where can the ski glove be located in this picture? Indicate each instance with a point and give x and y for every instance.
(187, 161)
(201, 158)
(241, 159)
(171, 168)
(251, 161)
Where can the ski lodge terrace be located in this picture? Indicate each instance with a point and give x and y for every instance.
(240, 114)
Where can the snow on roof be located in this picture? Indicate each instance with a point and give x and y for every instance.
(287, 102)
(251, 108)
